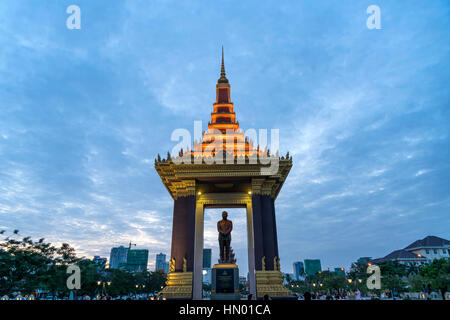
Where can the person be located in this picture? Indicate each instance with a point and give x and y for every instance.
(224, 227)
(358, 294)
(266, 297)
(443, 290)
(250, 297)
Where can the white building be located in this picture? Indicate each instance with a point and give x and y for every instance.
(420, 252)
(404, 257)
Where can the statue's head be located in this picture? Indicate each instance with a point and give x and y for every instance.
(224, 215)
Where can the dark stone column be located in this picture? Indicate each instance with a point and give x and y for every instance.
(183, 232)
(269, 230)
(257, 230)
(274, 224)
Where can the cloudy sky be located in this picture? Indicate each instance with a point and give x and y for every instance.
(365, 114)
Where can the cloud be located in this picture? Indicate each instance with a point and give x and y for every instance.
(364, 114)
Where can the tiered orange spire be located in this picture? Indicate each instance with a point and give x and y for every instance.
(223, 126)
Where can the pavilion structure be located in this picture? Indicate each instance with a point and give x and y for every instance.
(198, 184)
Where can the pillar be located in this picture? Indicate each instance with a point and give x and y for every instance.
(258, 230)
(183, 232)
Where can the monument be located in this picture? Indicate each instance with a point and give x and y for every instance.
(245, 180)
(224, 227)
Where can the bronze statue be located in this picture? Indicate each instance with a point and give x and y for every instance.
(224, 227)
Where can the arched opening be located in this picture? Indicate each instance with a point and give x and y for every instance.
(238, 243)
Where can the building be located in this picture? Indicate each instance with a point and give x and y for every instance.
(235, 175)
(137, 260)
(160, 261)
(364, 260)
(207, 258)
(207, 253)
(419, 252)
(430, 247)
(339, 271)
(207, 276)
(299, 270)
(403, 257)
(118, 257)
(100, 261)
(312, 266)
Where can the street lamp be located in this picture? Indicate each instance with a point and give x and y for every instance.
(142, 287)
(103, 285)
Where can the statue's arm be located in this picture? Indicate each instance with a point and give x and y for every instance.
(229, 227)
(218, 226)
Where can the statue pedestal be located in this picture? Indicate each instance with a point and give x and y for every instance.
(178, 286)
(270, 282)
(225, 282)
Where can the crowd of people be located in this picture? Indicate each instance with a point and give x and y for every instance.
(20, 296)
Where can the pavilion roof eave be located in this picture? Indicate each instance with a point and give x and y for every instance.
(175, 176)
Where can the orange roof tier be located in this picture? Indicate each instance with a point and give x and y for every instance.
(223, 129)
(194, 170)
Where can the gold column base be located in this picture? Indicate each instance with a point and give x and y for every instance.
(178, 285)
(270, 282)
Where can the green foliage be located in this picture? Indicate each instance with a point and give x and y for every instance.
(393, 268)
(415, 283)
(393, 283)
(437, 274)
(27, 265)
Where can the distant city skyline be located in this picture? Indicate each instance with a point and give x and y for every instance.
(161, 264)
(364, 114)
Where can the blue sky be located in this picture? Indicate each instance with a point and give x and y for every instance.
(365, 114)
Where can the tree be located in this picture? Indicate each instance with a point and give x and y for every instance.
(157, 280)
(415, 282)
(357, 271)
(27, 265)
(288, 278)
(122, 282)
(437, 274)
(393, 283)
(392, 274)
(208, 287)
